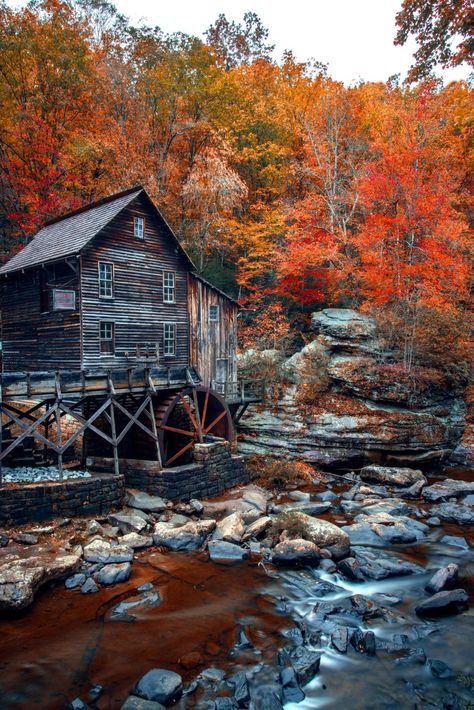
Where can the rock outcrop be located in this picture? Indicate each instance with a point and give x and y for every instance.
(342, 404)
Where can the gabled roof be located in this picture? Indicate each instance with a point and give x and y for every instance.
(214, 288)
(69, 234)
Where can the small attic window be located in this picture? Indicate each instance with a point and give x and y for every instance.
(138, 227)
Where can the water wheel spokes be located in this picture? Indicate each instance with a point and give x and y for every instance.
(187, 418)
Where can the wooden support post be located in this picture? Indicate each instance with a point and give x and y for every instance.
(59, 442)
(155, 432)
(114, 437)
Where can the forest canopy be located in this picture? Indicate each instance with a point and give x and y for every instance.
(289, 190)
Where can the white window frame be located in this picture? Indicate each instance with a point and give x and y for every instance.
(107, 339)
(139, 227)
(169, 289)
(214, 309)
(106, 281)
(167, 340)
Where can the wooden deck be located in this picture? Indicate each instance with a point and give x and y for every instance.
(81, 383)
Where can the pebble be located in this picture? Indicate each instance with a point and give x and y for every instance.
(31, 474)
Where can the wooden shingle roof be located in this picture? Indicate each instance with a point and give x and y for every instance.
(68, 235)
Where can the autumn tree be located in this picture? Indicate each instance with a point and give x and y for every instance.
(443, 30)
(239, 43)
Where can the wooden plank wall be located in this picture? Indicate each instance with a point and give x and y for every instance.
(137, 308)
(33, 340)
(211, 341)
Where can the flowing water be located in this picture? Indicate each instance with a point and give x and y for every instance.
(181, 612)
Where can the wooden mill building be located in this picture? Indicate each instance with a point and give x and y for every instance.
(104, 319)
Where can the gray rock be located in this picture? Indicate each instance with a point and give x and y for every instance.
(265, 697)
(444, 578)
(113, 574)
(136, 541)
(93, 527)
(21, 578)
(135, 703)
(187, 537)
(196, 505)
(213, 675)
(343, 324)
(299, 495)
(308, 507)
(224, 703)
(454, 513)
(231, 528)
(4, 540)
(25, 539)
(291, 690)
(443, 603)
(306, 663)
(226, 552)
(440, 669)
(256, 497)
(102, 551)
(77, 704)
(363, 641)
(391, 476)
(350, 568)
(296, 551)
(449, 488)
(77, 580)
(160, 685)
(89, 587)
(433, 521)
(128, 523)
(412, 492)
(257, 528)
(323, 534)
(144, 501)
(340, 639)
(177, 520)
(326, 496)
(241, 689)
(456, 541)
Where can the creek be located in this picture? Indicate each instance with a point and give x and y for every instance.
(181, 612)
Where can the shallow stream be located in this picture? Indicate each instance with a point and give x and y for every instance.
(189, 614)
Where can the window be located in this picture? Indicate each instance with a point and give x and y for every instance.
(214, 313)
(64, 299)
(168, 287)
(106, 280)
(107, 337)
(169, 339)
(138, 227)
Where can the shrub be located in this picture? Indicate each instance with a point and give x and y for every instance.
(279, 473)
(289, 522)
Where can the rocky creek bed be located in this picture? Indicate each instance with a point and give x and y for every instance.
(351, 592)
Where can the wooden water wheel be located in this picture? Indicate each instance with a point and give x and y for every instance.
(187, 418)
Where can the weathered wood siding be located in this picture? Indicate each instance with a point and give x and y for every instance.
(33, 340)
(137, 306)
(212, 343)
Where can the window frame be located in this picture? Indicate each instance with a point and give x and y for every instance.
(217, 311)
(173, 274)
(139, 233)
(107, 340)
(112, 279)
(175, 332)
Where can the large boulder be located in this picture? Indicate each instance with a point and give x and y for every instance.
(20, 578)
(345, 407)
(190, 536)
(449, 488)
(343, 325)
(391, 476)
(322, 533)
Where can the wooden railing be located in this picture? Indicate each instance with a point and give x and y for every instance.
(244, 390)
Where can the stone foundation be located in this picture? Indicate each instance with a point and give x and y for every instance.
(36, 502)
(213, 471)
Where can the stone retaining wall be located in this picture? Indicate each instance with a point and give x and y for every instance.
(35, 502)
(213, 471)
